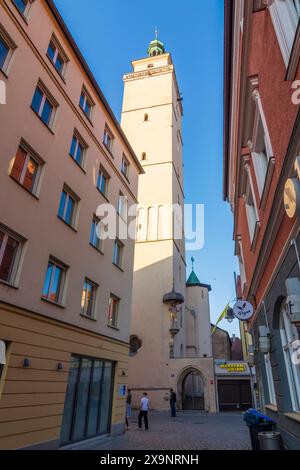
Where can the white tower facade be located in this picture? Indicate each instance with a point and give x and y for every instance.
(152, 120)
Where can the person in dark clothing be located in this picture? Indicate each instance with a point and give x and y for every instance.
(144, 411)
(173, 400)
(128, 407)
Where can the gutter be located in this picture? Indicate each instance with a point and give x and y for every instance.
(92, 79)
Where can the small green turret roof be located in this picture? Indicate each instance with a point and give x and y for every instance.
(194, 281)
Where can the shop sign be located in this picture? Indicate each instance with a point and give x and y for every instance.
(231, 368)
(243, 310)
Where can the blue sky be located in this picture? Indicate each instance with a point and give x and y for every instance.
(110, 35)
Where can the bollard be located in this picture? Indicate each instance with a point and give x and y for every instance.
(270, 440)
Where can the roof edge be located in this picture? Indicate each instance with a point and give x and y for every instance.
(93, 80)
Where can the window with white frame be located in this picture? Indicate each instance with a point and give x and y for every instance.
(113, 311)
(88, 298)
(23, 6)
(68, 206)
(54, 282)
(125, 166)
(251, 211)
(57, 56)
(86, 103)
(10, 254)
(103, 181)
(27, 168)
(78, 149)
(118, 253)
(122, 205)
(240, 255)
(261, 148)
(96, 235)
(285, 15)
(290, 334)
(44, 105)
(7, 48)
(108, 139)
(270, 380)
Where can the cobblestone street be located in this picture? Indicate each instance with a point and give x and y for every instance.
(190, 430)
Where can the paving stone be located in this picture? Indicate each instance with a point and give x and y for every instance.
(190, 430)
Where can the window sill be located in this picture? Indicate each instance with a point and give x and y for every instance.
(25, 189)
(294, 416)
(58, 73)
(97, 249)
(77, 164)
(88, 317)
(119, 267)
(255, 236)
(113, 327)
(103, 195)
(8, 284)
(3, 72)
(86, 116)
(55, 304)
(272, 408)
(20, 13)
(108, 150)
(267, 185)
(46, 125)
(68, 225)
(126, 177)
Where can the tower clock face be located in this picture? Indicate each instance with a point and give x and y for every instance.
(243, 310)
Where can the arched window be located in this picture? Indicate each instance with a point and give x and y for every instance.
(289, 334)
(144, 156)
(146, 117)
(152, 224)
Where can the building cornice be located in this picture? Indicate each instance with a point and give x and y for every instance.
(53, 321)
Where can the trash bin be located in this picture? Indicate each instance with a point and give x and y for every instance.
(270, 440)
(257, 423)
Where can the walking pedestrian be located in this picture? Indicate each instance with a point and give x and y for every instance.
(173, 400)
(128, 407)
(144, 411)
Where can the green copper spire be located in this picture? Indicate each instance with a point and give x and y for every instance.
(194, 281)
(156, 47)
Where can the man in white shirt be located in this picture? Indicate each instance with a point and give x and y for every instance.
(144, 411)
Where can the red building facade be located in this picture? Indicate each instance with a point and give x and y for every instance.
(261, 144)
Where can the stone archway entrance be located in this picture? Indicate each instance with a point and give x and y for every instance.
(193, 391)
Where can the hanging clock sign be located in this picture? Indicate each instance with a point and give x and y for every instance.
(243, 310)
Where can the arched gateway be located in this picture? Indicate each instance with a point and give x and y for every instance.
(191, 388)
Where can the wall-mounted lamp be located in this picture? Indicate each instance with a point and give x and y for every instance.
(123, 373)
(26, 362)
(60, 366)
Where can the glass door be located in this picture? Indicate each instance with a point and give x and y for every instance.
(87, 410)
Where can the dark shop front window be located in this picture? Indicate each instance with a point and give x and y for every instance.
(87, 411)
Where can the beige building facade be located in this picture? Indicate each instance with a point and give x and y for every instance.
(65, 296)
(170, 332)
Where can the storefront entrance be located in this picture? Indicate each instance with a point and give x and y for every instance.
(234, 395)
(87, 410)
(193, 392)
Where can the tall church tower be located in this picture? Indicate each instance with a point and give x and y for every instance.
(152, 120)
